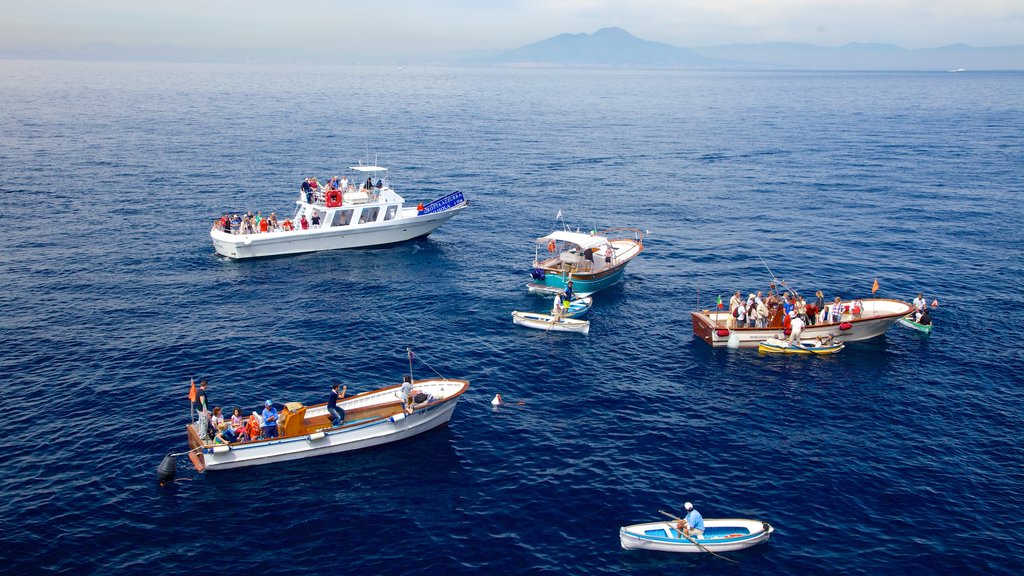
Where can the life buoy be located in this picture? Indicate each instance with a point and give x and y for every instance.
(551, 246)
(333, 199)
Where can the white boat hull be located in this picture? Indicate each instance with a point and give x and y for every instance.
(410, 226)
(549, 323)
(715, 327)
(355, 436)
(720, 535)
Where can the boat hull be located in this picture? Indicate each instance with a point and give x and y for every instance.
(549, 323)
(355, 436)
(906, 322)
(715, 327)
(775, 346)
(243, 246)
(720, 535)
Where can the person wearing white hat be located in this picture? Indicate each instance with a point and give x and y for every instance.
(796, 326)
(693, 525)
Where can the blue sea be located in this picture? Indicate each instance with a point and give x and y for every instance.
(901, 455)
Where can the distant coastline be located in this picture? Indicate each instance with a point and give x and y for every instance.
(605, 48)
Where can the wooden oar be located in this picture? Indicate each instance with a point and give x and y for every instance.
(697, 544)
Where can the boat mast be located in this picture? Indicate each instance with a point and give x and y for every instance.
(409, 350)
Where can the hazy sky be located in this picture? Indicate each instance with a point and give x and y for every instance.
(395, 28)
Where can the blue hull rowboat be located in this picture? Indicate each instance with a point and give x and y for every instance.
(578, 307)
(720, 535)
(906, 322)
(592, 262)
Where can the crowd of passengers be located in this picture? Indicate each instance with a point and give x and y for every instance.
(779, 307)
(315, 193)
(270, 423)
(311, 191)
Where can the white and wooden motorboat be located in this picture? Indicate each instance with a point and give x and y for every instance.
(720, 535)
(779, 346)
(548, 322)
(716, 327)
(372, 418)
(591, 261)
(578, 307)
(329, 218)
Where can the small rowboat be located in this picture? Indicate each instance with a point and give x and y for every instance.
(720, 535)
(547, 322)
(908, 322)
(577, 307)
(777, 346)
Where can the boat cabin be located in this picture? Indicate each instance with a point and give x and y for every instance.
(359, 202)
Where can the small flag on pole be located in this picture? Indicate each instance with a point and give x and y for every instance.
(192, 391)
(720, 302)
(874, 287)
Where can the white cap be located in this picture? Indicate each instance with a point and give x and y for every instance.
(688, 506)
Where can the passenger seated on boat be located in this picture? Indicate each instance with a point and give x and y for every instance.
(272, 222)
(857, 308)
(304, 223)
(224, 434)
(379, 184)
(315, 222)
(236, 223)
(287, 226)
(923, 317)
(368, 184)
(337, 412)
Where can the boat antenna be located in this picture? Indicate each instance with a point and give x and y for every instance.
(409, 350)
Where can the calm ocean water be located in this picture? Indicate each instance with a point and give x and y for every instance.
(900, 455)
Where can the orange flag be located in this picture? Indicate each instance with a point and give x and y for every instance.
(874, 287)
(192, 391)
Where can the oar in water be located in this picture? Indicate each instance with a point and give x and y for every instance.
(697, 544)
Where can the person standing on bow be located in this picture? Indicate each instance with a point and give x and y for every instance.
(337, 412)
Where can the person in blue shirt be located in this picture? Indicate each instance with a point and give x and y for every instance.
(337, 412)
(269, 420)
(568, 294)
(693, 525)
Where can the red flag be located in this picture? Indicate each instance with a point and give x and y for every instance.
(192, 391)
(874, 287)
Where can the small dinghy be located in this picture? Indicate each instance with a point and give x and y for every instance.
(908, 322)
(777, 346)
(720, 535)
(578, 307)
(550, 323)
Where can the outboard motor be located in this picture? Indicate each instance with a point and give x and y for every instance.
(166, 470)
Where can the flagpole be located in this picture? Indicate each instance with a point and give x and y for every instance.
(409, 350)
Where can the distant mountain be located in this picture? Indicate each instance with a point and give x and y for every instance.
(615, 47)
(606, 47)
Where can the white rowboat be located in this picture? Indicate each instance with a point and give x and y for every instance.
(720, 535)
(549, 323)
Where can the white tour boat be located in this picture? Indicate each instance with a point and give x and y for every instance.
(329, 218)
(371, 419)
(717, 327)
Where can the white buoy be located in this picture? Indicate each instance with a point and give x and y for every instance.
(734, 340)
(497, 400)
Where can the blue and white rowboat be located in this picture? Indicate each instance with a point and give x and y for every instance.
(720, 535)
(577, 307)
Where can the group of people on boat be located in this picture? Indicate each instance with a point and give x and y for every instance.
(780, 308)
(315, 193)
(258, 224)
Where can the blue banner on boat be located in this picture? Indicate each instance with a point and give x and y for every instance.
(441, 204)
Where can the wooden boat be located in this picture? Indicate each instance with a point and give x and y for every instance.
(371, 419)
(562, 256)
(350, 218)
(547, 322)
(578, 307)
(908, 322)
(777, 346)
(716, 326)
(720, 535)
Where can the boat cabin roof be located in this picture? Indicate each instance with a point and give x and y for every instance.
(368, 168)
(584, 241)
